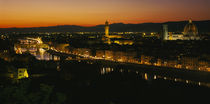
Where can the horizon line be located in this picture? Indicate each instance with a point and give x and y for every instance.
(95, 25)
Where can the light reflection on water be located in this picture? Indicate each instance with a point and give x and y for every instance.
(150, 77)
(185, 62)
(192, 63)
(105, 71)
(39, 53)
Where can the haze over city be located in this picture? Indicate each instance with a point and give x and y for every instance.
(36, 13)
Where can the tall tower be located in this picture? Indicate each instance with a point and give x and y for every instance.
(170, 36)
(107, 29)
(164, 33)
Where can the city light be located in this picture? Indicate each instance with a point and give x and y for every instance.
(103, 51)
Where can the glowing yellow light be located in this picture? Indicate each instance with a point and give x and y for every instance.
(145, 76)
(41, 50)
(39, 40)
(155, 77)
(170, 36)
(22, 73)
(106, 28)
(144, 34)
(152, 34)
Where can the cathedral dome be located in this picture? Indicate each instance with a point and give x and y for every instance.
(190, 29)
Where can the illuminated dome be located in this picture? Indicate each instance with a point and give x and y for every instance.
(190, 29)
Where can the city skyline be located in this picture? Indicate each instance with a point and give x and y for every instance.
(103, 51)
(42, 13)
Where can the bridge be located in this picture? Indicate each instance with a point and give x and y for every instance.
(65, 55)
(30, 43)
(39, 40)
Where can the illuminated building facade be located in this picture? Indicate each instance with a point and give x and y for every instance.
(190, 29)
(164, 32)
(22, 73)
(190, 33)
(107, 29)
(184, 62)
(117, 39)
(107, 35)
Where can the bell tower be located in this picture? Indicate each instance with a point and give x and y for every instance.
(107, 29)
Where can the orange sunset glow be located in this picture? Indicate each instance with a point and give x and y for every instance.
(36, 13)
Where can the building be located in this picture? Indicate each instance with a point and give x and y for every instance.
(190, 29)
(164, 32)
(190, 33)
(117, 39)
(107, 35)
(22, 73)
(107, 29)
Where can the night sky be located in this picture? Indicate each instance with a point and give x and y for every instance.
(36, 13)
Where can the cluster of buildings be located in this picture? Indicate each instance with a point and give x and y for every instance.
(190, 33)
(117, 39)
(184, 62)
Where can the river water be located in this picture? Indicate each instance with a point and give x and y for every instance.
(89, 82)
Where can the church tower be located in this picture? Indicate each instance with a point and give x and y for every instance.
(164, 32)
(107, 29)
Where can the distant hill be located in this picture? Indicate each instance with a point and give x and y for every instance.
(203, 26)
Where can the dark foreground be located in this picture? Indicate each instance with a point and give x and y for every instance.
(82, 83)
